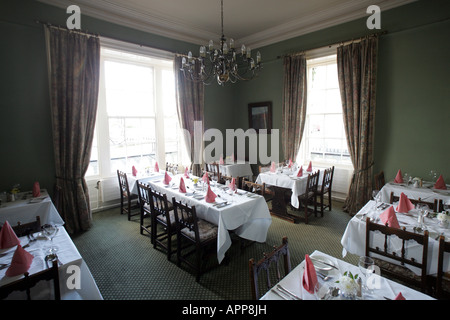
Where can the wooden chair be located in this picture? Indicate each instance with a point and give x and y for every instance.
(144, 203)
(162, 215)
(224, 179)
(27, 228)
(270, 266)
(436, 205)
(309, 197)
(394, 270)
(325, 188)
(126, 197)
(212, 169)
(29, 281)
(260, 189)
(199, 235)
(171, 167)
(379, 181)
(442, 279)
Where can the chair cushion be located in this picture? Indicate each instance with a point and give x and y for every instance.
(396, 269)
(206, 230)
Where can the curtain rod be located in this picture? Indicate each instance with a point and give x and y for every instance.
(48, 24)
(377, 34)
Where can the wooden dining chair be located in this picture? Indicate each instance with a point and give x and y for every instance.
(198, 235)
(162, 216)
(269, 266)
(325, 188)
(126, 198)
(27, 228)
(309, 196)
(144, 204)
(29, 281)
(382, 255)
(379, 181)
(212, 169)
(442, 289)
(436, 205)
(257, 188)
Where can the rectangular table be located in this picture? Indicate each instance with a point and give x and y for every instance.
(236, 170)
(383, 288)
(246, 214)
(354, 236)
(426, 192)
(144, 178)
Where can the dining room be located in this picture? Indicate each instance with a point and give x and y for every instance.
(337, 123)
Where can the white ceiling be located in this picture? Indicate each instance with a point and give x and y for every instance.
(253, 22)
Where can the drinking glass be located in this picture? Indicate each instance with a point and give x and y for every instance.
(375, 195)
(367, 267)
(50, 231)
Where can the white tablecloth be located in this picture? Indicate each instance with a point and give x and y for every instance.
(236, 170)
(249, 217)
(288, 179)
(354, 236)
(145, 178)
(26, 210)
(382, 287)
(426, 192)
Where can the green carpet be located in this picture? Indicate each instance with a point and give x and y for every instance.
(126, 267)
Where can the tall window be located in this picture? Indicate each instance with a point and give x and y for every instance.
(324, 138)
(137, 121)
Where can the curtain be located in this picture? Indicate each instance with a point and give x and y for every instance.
(74, 68)
(294, 104)
(357, 70)
(190, 104)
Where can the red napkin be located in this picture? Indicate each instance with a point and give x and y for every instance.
(290, 163)
(8, 238)
(398, 177)
(182, 187)
(186, 172)
(232, 185)
(404, 204)
(156, 167)
(309, 280)
(440, 184)
(221, 160)
(389, 217)
(205, 178)
(134, 171)
(210, 196)
(232, 157)
(272, 167)
(309, 167)
(300, 172)
(167, 179)
(20, 263)
(399, 297)
(36, 189)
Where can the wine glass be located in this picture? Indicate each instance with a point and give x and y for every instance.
(375, 196)
(367, 267)
(50, 230)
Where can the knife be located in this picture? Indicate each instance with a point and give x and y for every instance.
(288, 292)
(323, 262)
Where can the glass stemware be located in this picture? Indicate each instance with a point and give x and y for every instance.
(367, 267)
(50, 231)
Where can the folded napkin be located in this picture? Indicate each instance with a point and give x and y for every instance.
(290, 163)
(186, 172)
(232, 185)
(167, 179)
(309, 167)
(221, 160)
(36, 190)
(205, 178)
(388, 217)
(398, 177)
(309, 280)
(182, 187)
(272, 167)
(20, 263)
(399, 297)
(210, 195)
(404, 204)
(8, 238)
(232, 157)
(134, 171)
(300, 172)
(156, 167)
(440, 184)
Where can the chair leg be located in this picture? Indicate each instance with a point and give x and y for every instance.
(329, 200)
(306, 211)
(321, 204)
(199, 264)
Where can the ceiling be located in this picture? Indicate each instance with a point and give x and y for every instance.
(254, 22)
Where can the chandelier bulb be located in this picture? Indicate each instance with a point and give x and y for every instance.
(249, 52)
(231, 43)
(243, 49)
(258, 57)
(211, 45)
(225, 48)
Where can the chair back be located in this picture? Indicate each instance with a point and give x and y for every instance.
(402, 258)
(159, 205)
(144, 197)
(28, 282)
(186, 217)
(327, 180)
(212, 169)
(444, 247)
(254, 187)
(379, 180)
(269, 265)
(436, 205)
(313, 180)
(123, 184)
(27, 228)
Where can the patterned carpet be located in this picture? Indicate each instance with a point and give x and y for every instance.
(126, 267)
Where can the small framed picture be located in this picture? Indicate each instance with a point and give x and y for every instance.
(260, 116)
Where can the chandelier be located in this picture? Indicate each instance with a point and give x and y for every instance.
(224, 64)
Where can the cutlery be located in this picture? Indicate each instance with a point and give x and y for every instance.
(323, 276)
(325, 263)
(288, 292)
(4, 265)
(278, 294)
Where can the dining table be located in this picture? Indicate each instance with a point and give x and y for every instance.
(283, 180)
(353, 239)
(236, 169)
(144, 178)
(244, 213)
(329, 270)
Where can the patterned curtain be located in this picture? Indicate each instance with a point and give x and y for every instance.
(190, 103)
(294, 104)
(357, 70)
(74, 68)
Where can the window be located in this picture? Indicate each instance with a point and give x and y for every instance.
(137, 122)
(324, 139)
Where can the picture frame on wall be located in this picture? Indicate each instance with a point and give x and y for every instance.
(260, 116)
